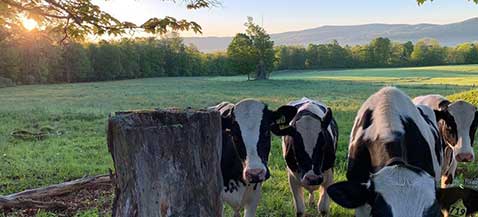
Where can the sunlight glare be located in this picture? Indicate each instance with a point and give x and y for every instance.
(29, 24)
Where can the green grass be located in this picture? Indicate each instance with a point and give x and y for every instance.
(78, 113)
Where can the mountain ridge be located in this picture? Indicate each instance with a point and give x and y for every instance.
(447, 34)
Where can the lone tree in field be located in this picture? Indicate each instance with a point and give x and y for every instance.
(240, 53)
(78, 18)
(253, 51)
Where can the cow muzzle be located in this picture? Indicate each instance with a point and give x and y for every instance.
(464, 157)
(312, 179)
(255, 175)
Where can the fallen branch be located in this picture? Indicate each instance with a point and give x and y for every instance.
(29, 198)
(28, 204)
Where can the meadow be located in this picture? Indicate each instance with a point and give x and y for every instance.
(75, 116)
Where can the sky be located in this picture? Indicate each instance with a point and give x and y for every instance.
(277, 16)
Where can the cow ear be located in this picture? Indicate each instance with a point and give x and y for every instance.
(443, 105)
(227, 119)
(327, 118)
(281, 119)
(349, 194)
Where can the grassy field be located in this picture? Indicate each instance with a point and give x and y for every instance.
(75, 115)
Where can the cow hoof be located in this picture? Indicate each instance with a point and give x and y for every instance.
(299, 214)
(324, 214)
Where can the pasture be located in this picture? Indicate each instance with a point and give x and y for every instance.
(75, 116)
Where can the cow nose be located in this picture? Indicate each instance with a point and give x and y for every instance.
(255, 175)
(312, 180)
(464, 157)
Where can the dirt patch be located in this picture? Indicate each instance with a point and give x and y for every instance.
(98, 197)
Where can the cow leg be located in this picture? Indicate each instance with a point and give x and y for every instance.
(296, 189)
(237, 213)
(324, 201)
(311, 199)
(252, 200)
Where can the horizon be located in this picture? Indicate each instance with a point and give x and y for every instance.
(280, 16)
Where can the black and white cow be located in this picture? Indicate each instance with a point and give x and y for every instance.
(245, 149)
(309, 151)
(394, 160)
(458, 128)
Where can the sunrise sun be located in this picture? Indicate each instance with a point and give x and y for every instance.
(29, 24)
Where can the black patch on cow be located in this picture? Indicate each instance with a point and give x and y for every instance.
(367, 156)
(417, 148)
(433, 210)
(323, 156)
(359, 161)
(380, 207)
(443, 105)
(231, 166)
(289, 154)
(366, 119)
(264, 143)
(364, 122)
(449, 196)
(439, 144)
(446, 124)
(473, 128)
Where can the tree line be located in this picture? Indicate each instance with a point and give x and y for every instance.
(34, 59)
(37, 60)
(380, 52)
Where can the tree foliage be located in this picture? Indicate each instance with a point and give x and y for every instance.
(252, 51)
(241, 54)
(34, 59)
(78, 18)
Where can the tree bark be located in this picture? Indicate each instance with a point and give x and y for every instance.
(261, 71)
(167, 163)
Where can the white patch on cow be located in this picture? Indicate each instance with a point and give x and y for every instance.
(393, 105)
(407, 193)
(248, 114)
(309, 127)
(246, 196)
(464, 113)
(433, 101)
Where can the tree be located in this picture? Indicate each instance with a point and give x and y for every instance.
(428, 52)
(242, 55)
(75, 64)
(78, 18)
(107, 64)
(263, 49)
(380, 49)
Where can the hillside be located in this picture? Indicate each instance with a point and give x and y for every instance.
(448, 34)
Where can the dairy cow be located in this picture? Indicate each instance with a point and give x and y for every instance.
(394, 159)
(458, 127)
(309, 151)
(246, 145)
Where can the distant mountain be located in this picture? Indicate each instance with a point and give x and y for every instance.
(447, 34)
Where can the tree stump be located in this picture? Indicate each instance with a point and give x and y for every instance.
(167, 163)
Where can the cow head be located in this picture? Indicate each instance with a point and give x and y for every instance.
(311, 143)
(401, 191)
(250, 123)
(459, 129)
(396, 190)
